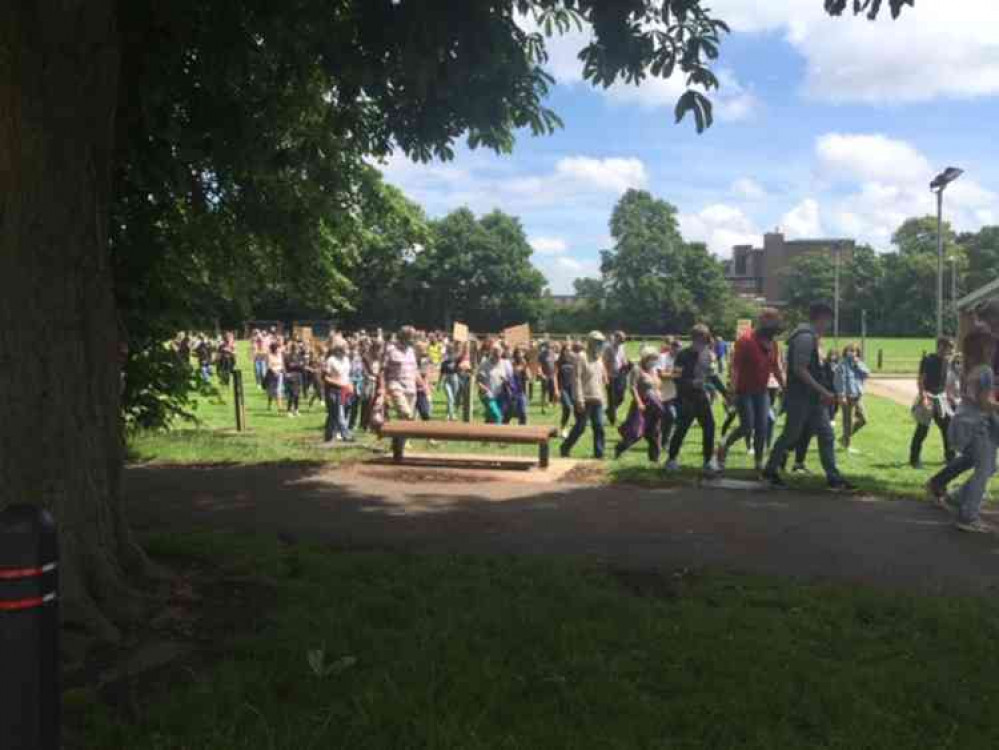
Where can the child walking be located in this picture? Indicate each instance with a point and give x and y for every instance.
(849, 378)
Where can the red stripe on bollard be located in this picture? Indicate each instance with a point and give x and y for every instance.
(17, 605)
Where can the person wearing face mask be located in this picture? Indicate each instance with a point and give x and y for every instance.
(808, 401)
(849, 378)
(590, 381)
(755, 361)
(694, 371)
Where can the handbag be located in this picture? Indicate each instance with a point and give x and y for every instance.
(922, 413)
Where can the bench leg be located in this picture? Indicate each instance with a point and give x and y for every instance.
(398, 446)
(543, 455)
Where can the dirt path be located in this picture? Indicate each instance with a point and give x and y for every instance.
(905, 544)
(900, 390)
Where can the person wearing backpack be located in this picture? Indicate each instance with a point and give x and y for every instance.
(807, 401)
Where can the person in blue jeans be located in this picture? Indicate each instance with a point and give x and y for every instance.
(517, 389)
(808, 401)
(590, 389)
(756, 361)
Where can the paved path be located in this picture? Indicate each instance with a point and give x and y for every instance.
(893, 543)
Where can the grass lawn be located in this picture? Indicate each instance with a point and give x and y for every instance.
(881, 465)
(490, 652)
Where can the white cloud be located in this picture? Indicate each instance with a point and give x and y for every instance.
(562, 270)
(748, 189)
(872, 157)
(614, 175)
(889, 180)
(936, 49)
(548, 245)
(721, 227)
(732, 102)
(803, 220)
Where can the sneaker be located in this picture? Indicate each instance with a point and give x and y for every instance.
(978, 526)
(564, 433)
(672, 465)
(720, 458)
(711, 467)
(800, 469)
(841, 485)
(775, 480)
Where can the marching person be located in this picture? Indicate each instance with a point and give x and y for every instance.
(336, 377)
(616, 363)
(227, 357)
(849, 378)
(517, 388)
(274, 379)
(565, 378)
(492, 381)
(399, 372)
(645, 414)
(694, 370)
(259, 357)
(807, 401)
(589, 387)
(973, 429)
(932, 405)
(294, 370)
(756, 360)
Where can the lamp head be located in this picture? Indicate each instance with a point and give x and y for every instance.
(946, 177)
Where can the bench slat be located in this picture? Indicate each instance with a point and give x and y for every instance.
(470, 432)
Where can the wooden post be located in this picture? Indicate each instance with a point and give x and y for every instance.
(398, 446)
(237, 400)
(543, 453)
(881, 359)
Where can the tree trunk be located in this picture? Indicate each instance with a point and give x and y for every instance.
(60, 430)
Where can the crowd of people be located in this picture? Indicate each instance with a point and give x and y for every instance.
(364, 379)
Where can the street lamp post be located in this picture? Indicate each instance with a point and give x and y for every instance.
(836, 250)
(939, 184)
(953, 292)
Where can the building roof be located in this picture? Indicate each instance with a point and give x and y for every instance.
(983, 293)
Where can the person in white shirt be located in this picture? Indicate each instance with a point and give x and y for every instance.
(590, 391)
(336, 376)
(493, 379)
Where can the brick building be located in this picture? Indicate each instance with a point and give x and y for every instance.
(761, 272)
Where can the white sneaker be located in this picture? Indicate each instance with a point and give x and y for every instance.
(564, 434)
(711, 467)
(673, 465)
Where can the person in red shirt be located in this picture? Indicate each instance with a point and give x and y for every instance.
(756, 358)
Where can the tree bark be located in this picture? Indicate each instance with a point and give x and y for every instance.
(60, 431)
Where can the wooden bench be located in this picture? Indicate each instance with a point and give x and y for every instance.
(399, 432)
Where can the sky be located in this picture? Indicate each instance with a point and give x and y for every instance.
(823, 128)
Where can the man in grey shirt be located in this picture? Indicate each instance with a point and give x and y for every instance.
(807, 401)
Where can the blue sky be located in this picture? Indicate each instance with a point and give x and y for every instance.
(824, 127)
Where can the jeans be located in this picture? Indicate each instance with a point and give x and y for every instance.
(260, 371)
(754, 419)
(516, 407)
(699, 409)
(594, 412)
(982, 455)
(805, 413)
(206, 373)
(615, 395)
(335, 422)
(954, 468)
(568, 407)
(452, 392)
(423, 406)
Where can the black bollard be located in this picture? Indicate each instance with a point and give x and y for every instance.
(29, 630)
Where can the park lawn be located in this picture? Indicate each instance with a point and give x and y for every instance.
(463, 652)
(880, 467)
